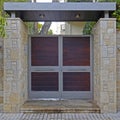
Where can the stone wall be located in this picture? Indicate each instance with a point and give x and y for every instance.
(96, 65)
(1, 74)
(105, 64)
(15, 65)
(118, 70)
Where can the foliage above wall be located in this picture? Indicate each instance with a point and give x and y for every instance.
(2, 19)
(3, 15)
(88, 28)
(116, 14)
(89, 25)
(79, 0)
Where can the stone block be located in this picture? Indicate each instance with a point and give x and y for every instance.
(14, 44)
(7, 86)
(110, 30)
(6, 98)
(8, 65)
(113, 108)
(14, 98)
(1, 100)
(104, 97)
(13, 25)
(104, 108)
(104, 51)
(14, 86)
(14, 55)
(118, 89)
(112, 97)
(110, 24)
(7, 108)
(15, 108)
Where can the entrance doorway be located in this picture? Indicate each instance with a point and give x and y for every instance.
(60, 67)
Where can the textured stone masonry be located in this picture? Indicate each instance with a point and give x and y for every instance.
(105, 64)
(118, 69)
(15, 65)
(1, 74)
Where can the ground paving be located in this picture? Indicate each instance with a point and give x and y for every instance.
(59, 116)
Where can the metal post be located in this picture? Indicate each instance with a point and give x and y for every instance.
(106, 14)
(13, 15)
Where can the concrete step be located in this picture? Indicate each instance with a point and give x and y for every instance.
(60, 106)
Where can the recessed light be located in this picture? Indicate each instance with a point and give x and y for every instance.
(42, 15)
(77, 16)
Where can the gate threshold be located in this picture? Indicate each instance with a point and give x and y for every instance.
(60, 106)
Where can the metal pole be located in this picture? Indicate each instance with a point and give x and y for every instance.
(106, 14)
(13, 15)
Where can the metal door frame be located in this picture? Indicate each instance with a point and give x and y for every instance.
(60, 94)
(77, 94)
(43, 94)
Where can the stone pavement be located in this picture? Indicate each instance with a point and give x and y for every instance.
(59, 116)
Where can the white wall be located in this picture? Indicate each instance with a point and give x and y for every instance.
(73, 28)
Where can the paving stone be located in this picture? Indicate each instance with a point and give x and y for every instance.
(59, 116)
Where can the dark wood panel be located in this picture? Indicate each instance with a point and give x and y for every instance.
(76, 51)
(44, 51)
(76, 81)
(44, 81)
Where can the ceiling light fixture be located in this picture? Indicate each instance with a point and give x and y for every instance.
(42, 15)
(77, 16)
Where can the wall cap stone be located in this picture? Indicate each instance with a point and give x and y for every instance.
(107, 19)
(19, 19)
(103, 19)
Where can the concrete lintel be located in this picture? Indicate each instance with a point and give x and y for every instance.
(88, 11)
(81, 6)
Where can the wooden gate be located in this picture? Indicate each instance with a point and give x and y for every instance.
(60, 67)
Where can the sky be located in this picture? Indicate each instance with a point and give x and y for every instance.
(47, 0)
(44, 0)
